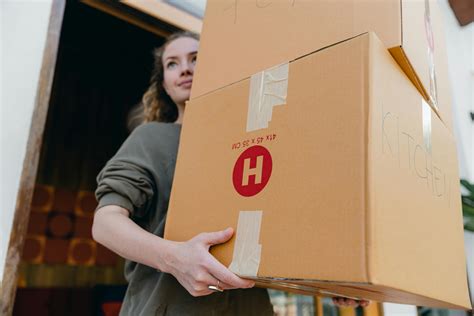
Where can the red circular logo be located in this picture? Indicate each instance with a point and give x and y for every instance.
(252, 170)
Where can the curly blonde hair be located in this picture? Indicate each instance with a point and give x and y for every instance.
(157, 104)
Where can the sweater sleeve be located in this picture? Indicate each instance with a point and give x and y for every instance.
(128, 179)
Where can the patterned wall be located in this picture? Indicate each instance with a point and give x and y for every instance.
(59, 250)
(59, 229)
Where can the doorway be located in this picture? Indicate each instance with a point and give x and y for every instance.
(102, 70)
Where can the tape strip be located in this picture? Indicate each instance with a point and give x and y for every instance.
(247, 250)
(430, 38)
(268, 88)
(426, 125)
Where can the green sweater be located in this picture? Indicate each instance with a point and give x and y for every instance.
(139, 178)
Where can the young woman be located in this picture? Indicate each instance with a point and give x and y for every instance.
(165, 277)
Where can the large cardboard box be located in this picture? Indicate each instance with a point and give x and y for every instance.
(336, 175)
(241, 38)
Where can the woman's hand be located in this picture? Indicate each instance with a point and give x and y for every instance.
(349, 302)
(190, 262)
(195, 268)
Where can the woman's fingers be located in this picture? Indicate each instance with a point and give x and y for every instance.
(197, 269)
(348, 302)
(200, 292)
(194, 288)
(209, 279)
(199, 286)
(215, 238)
(339, 301)
(364, 303)
(222, 285)
(219, 271)
(214, 267)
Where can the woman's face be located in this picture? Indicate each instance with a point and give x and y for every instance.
(179, 58)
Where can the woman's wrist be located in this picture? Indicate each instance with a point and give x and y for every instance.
(166, 250)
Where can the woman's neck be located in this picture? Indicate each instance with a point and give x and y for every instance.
(179, 120)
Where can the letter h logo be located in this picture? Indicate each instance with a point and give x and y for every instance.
(252, 171)
(257, 171)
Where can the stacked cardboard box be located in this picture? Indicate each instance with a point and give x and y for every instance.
(241, 38)
(332, 161)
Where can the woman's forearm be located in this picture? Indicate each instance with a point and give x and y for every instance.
(114, 229)
(189, 262)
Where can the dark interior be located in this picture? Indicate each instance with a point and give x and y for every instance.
(103, 68)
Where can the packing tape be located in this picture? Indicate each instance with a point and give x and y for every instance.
(426, 112)
(268, 88)
(433, 93)
(247, 250)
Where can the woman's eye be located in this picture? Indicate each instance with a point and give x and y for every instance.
(170, 65)
(193, 60)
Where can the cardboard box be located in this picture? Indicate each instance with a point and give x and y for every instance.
(349, 181)
(241, 38)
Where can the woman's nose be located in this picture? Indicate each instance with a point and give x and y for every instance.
(187, 67)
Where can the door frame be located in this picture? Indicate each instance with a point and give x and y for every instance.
(30, 162)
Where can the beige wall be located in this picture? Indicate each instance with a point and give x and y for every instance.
(460, 42)
(23, 36)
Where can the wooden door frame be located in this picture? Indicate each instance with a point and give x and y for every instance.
(37, 127)
(155, 17)
(30, 162)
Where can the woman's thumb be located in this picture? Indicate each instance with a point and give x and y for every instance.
(219, 237)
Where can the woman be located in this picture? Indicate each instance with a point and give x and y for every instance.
(165, 277)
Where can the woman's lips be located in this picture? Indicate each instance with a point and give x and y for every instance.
(186, 84)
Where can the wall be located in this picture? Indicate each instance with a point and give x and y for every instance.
(460, 42)
(23, 30)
